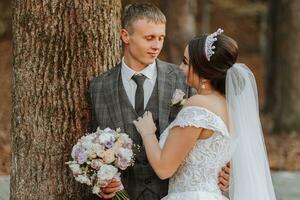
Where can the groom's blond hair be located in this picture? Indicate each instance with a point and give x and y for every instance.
(136, 11)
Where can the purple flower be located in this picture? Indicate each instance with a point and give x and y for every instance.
(82, 157)
(107, 139)
(109, 144)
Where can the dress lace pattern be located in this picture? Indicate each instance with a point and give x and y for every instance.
(198, 173)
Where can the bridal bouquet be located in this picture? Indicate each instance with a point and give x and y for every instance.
(98, 158)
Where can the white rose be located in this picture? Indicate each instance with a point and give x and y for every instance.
(83, 179)
(177, 96)
(125, 153)
(107, 172)
(108, 130)
(106, 137)
(75, 168)
(87, 144)
(97, 147)
(93, 151)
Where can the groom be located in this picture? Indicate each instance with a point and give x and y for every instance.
(140, 82)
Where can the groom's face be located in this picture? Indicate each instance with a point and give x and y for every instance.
(144, 41)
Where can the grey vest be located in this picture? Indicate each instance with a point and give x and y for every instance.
(141, 176)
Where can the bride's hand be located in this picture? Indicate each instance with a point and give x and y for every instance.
(145, 125)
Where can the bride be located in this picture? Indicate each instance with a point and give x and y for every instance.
(219, 124)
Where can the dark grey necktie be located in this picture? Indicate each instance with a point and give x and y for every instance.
(139, 94)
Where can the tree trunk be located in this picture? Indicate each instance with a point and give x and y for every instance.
(283, 72)
(180, 16)
(58, 47)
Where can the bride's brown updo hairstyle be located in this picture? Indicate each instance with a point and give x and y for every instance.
(214, 69)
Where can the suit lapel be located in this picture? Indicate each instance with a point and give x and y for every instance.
(166, 86)
(112, 97)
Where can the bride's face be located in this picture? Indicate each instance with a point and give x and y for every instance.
(191, 78)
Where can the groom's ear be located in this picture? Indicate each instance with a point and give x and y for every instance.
(125, 36)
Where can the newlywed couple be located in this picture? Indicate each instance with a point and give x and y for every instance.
(191, 146)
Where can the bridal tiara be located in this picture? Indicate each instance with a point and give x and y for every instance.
(210, 39)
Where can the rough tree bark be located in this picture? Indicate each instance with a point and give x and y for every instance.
(180, 16)
(283, 72)
(58, 46)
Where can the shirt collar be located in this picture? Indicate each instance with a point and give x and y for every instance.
(149, 71)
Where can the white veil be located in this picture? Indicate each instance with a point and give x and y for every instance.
(251, 178)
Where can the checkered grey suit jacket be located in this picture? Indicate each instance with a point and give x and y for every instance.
(106, 111)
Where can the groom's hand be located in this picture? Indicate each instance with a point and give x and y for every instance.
(224, 178)
(110, 190)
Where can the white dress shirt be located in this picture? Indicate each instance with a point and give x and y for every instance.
(130, 86)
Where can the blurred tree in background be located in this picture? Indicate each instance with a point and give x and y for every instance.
(58, 47)
(5, 19)
(181, 27)
(283, 71)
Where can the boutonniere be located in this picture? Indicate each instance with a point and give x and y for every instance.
(178, 98)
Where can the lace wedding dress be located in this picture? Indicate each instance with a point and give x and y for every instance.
(197, 176)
